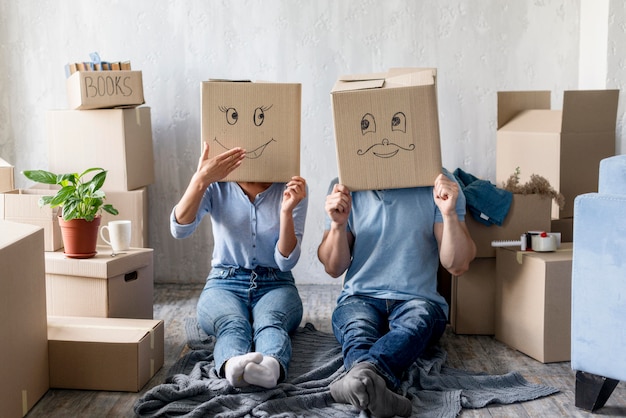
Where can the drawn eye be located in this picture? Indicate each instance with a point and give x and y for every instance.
(231, 114)
(368, 124)
(398, 122)
(259, 116)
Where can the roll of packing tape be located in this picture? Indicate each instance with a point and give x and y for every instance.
(543, 243)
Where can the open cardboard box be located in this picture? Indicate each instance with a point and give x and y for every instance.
(261, 117)
(22, 205)
(564, 146)
(387, 129)
(527, 213)
(104, 89)
(132, 205)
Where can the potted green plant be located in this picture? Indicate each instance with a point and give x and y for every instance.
(81, 202)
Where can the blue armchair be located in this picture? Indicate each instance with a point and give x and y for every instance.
(599, 287)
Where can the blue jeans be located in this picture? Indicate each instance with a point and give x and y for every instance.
(390, 334)
(250, 310)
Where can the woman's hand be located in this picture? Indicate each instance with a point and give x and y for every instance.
(217, 168)
(294, 192)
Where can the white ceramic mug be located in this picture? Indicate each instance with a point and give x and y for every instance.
(119, 235)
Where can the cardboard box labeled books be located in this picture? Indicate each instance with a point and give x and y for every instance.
(104, 353)
(263, 118)
(22, 206)
(472, 309)
(527, 213)
(23, 334)
(118, 140)
(7, 179)
(533, 302)
(104, 89)
(564, 146)
(387, 129)
(102, 286)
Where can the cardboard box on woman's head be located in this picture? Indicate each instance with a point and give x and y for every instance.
(387, 129)
(261, 117)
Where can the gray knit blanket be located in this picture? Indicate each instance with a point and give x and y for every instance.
(193, 389)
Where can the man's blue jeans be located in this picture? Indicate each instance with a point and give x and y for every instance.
(390, 334)
(250, 310)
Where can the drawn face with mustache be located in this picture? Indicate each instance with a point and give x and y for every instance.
(386, 146)
(258, 117)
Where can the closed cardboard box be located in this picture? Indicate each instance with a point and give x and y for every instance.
(472, 309)
(23, 334)
(133, 206)
(104, 353)
(564, 226)
(387, 129)
(104, 89)
(22, 205)
(7, 180)
(527, 213)
(533, 302)
(103, 286)
(118, 140)
(261, 117)
(564, 146)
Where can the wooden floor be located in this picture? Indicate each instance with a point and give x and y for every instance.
(174, 303)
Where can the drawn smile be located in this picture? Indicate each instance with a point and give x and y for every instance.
(255, 153)
(385, 149)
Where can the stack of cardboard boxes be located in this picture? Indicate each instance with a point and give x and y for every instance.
(523, 297)
(97, 308)
(533, 294)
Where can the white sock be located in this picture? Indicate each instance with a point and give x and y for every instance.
(235, 366)
(264, 374)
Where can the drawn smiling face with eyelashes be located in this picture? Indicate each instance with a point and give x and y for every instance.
(258, 117)
(386, 147)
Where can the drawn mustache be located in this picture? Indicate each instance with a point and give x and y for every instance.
(386, 143)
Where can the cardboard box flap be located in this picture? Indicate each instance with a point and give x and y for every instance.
(411, 77)
(107, 330)
(590, 111)
(510, 103)
(102, 266)
(363, 77)
(344, 85)
(395, 77)
(544, 121)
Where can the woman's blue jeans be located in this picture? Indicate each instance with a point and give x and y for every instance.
(250, 310)
(390, 334)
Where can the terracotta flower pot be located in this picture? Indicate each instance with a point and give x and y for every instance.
(80, 237)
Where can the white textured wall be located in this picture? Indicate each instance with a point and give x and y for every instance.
(479, 47)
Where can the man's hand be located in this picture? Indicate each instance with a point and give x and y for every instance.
(339, 204)
(445, 193)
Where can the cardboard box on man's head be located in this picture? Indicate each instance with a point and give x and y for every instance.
(387, 129)
(261, 117)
